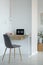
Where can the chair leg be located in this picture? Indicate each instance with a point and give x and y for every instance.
(20, 53)
(4, 54)
(9, 55)
(14, 52)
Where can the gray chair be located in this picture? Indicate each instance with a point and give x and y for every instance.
(10, 46)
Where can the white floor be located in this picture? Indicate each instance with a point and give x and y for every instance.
(33, 60)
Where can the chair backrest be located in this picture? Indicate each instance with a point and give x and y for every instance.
(7, 41)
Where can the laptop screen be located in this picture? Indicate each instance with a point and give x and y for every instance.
(19, 31)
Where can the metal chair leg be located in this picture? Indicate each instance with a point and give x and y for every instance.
(20, 53)
(4, 54)
(9, 55)
(14, 52)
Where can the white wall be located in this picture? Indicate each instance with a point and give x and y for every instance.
(22, 15)
(20, 18)
(40, 10)
(34, 25)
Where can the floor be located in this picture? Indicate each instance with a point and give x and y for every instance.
(26, 60)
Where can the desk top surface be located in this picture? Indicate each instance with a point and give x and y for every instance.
(18, 37)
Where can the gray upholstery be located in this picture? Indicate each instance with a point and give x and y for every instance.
(8, 42)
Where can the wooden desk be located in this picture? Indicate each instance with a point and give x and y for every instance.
(21, 37)
(18, 37)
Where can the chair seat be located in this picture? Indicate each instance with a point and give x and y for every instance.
(15, 46)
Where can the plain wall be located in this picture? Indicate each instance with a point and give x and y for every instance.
(40, 10)
(21, 15)
(18, 15)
